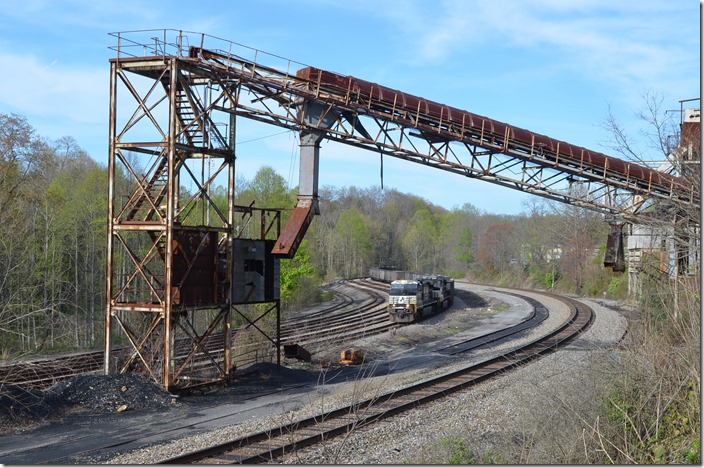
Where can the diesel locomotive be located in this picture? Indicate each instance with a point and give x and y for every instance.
(413, 296)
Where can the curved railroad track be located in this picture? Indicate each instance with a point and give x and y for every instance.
(269, 445)
(337, 323)
(84, 446)
(345, 319)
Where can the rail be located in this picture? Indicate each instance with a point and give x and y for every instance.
(268, 446)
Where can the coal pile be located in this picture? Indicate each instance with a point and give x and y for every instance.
(110, 393)
(17, 403)
(92, 394)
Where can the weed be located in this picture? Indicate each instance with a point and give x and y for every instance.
(457, 451)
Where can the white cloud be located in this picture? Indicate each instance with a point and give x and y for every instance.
(78, 94)
(622, 42)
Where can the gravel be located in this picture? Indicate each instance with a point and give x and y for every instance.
(519, 416)
(513, 418)
(525, 416)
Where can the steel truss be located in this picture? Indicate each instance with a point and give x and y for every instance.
(185, 99)
(377, 126)
(276, 95)
(169, 267)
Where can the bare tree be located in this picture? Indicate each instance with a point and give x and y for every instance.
(662, 371)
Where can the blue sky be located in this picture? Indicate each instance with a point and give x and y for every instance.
(550, 66)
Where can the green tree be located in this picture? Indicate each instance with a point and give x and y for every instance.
(267, 189)
(24, 158)
(419, 241)
(354, 246)
(295, 276)
(464, 252)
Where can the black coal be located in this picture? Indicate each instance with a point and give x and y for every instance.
(93, 394)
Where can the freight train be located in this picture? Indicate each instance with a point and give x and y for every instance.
(413, 296)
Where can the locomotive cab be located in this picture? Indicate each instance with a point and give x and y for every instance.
(443, 289)
(409, 300)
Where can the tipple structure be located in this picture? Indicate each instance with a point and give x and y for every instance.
(175, 267)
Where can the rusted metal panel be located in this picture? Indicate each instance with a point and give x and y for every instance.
(194, 270)
(292, 235)
(691, 135)
(614, 256)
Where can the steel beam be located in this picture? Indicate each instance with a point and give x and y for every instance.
(317, 116)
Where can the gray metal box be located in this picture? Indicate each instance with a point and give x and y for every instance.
(255, 272)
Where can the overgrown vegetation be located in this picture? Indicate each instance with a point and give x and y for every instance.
(652, 412)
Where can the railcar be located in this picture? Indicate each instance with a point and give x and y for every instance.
(387, 275)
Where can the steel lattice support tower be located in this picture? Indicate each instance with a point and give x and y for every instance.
(169, 272)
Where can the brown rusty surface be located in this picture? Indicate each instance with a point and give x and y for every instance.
(292, 235)
(195, 268)
(417, 109)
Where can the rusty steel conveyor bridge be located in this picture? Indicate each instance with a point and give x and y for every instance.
(184, 93)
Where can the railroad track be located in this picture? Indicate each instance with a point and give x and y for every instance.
(346, 319)
(267, 446)
(365, 317)
(43, 373)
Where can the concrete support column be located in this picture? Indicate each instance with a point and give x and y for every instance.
(308, 172)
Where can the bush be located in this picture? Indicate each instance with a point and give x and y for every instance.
(457, 452)
(652, 412)
(618, 286)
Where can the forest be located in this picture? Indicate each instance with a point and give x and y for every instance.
(53, 240)
(53, 234)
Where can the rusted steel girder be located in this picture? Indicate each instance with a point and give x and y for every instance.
(389, 122)
(173, 256)
(164, 292)
(459, 125)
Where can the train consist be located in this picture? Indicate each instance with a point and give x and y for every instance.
(413, 296)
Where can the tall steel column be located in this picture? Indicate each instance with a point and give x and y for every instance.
(315, 115)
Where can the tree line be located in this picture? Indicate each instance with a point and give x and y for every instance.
(53, 240)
